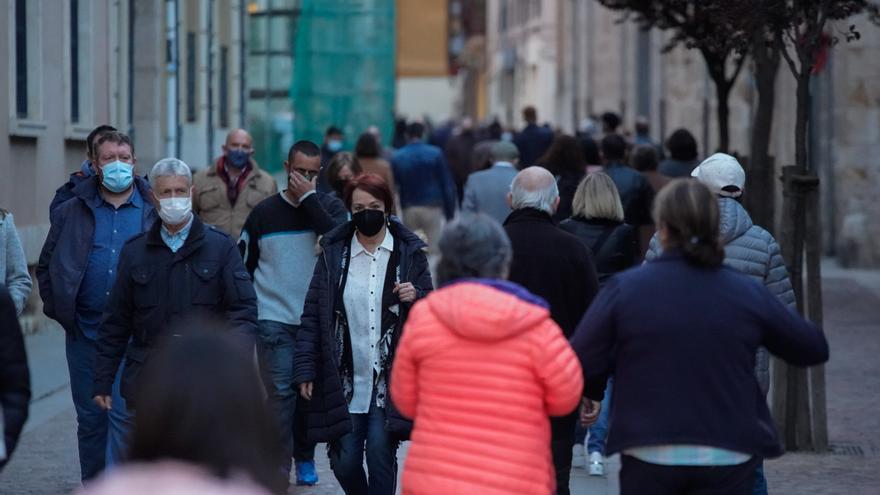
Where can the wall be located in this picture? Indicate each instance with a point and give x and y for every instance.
(37, 153)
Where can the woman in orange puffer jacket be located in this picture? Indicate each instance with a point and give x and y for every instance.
(480, 367)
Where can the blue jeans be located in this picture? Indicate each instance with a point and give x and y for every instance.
(599, 429)
(347, 456)
(760, 480)
(102, 435)
(276, 345)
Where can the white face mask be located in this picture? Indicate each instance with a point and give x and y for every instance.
(175, 211)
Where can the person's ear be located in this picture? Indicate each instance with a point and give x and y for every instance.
(225, 149)
(287, 167)
(509, 199)
(192, 190)
(156, 202)
(556, 204)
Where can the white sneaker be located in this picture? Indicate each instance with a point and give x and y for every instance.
(597, 464)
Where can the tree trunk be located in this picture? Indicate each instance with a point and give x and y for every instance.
(796, 420)
(760, 187)
(819, 430)
(802, 121)
(722, 93)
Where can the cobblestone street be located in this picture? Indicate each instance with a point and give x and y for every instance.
(46, 460)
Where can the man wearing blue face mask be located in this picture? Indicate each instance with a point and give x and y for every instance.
(77, 269)
(226, 192)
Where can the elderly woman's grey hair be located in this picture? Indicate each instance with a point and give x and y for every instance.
(473, 246)
(170, 167)
(534, 187)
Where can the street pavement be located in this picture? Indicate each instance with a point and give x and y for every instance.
(46, 461)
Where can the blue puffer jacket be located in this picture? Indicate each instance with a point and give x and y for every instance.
(751, 250)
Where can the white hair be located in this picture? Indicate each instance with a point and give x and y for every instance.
(534, 187)
(168, 167)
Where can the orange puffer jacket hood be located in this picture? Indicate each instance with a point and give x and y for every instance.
(480, 368)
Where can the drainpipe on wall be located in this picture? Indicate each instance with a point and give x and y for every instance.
(171, 54)
(210, 81)
(242, 59)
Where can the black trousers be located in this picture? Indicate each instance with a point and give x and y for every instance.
(643, 478)
(563, 441)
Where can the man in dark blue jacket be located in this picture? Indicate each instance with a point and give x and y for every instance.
(533, 141)
(86, 168)
(76, 270)
(427, 190)
(636, 192)
(178, 274)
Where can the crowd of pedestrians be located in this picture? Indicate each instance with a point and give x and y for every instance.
(475, 291)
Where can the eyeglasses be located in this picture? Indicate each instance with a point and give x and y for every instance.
(308, 174)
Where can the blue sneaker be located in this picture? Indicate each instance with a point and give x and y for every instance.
(306, 475)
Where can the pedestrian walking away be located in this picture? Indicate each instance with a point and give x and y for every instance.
(227, 191)
(748, 248)
(370, 272)
(76, 271)
(178, 275)
(427, 191)
(683, 154)
(534, 140)
(555, 266)
(486, 191)
(478, 346)
(278, 245)
(598, 222)
(671, 324)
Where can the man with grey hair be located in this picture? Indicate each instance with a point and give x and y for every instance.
(555, 266)
(486, 190)
(177, 274)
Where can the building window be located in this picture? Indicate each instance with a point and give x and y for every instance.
(191, 76)
(25, 58)
(21, 60)
(224, 87)
(74, 60)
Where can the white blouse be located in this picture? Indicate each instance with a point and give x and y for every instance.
(363, 309)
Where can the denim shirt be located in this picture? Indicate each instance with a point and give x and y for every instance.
(112, 228)
(175, 241)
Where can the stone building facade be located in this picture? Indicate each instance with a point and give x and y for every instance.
(574, 59)
(70, 65)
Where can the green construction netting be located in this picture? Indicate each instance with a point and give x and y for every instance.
(344, 68)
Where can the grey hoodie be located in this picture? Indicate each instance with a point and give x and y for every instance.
(753, 251)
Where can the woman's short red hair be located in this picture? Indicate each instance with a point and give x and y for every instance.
(373, 185)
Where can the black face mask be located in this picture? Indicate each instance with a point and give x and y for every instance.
(369, 222)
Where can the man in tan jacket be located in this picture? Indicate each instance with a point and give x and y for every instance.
(226, 192)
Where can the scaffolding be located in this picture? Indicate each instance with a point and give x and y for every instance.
(344, 67)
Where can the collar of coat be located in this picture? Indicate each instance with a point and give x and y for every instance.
(88, 188)
(256, 171)
(342, 234)
(193, 240)
(523, 215)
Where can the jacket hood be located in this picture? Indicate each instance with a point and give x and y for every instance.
(487, 310)
(735, 220)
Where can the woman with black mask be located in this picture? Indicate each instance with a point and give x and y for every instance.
(372, 269)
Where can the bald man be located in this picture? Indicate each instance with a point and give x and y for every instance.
(226, 192)
(555, 266)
